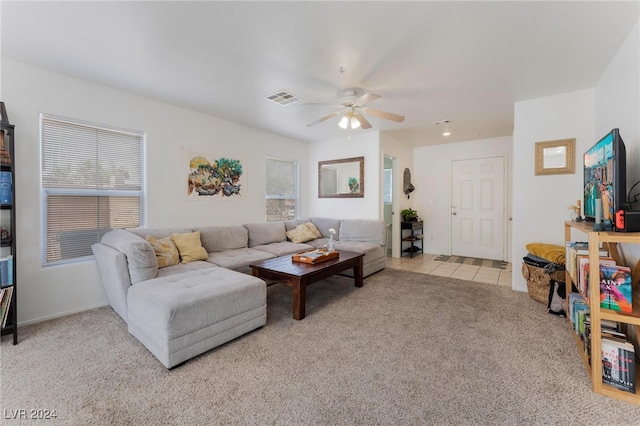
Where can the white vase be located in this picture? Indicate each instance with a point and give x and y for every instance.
(330, 244)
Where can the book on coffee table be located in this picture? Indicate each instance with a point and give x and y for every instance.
(314, 256)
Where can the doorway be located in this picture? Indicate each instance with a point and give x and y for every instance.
(389, 199)
(478, 226)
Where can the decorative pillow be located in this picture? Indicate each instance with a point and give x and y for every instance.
(314, 229)
(166, 251)
(301, 234)
(190, 247)
(551, 252)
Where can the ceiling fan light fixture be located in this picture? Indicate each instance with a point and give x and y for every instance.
(352, 112)
(344, 122)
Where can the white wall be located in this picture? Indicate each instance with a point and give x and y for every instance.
(27, 91)
(432, 179)
(357, 145)
(618, 105)
(540, 202)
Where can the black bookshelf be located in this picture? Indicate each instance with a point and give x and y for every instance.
(8, 276)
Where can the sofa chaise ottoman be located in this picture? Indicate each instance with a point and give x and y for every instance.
(180, 316)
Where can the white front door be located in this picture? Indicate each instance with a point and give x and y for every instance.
(477, 208)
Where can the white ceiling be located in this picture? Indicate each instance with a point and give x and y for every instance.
(462, 61)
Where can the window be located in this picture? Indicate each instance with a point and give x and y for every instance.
(387, 177)
(282, 189)
(91, 183)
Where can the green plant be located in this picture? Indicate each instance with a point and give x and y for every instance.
(409, 213)
(354, 185)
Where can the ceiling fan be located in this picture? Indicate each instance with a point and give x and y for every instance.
(352, 111)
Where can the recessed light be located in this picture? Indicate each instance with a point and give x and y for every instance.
(446, 131)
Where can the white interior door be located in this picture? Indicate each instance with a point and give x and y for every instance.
(477, 208)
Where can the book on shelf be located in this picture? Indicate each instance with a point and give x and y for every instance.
(6, 271)
(583, 270)
(6, 182)
(606, 324)
(616, 288)
(574, 249)
(5, 304)
(578, 310)
(618, 364)
(608, 329)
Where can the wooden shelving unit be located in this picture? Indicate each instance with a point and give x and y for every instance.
(611, 240)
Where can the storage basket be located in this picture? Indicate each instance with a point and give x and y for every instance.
(539, 281)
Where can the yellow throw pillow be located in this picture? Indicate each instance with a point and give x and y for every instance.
(314, 229)
(301, 234)
(166, 251)
(190, 246)
(551, 252)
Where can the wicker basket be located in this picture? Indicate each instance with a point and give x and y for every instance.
(539, 282)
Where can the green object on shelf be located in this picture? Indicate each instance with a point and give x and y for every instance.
(409, 215)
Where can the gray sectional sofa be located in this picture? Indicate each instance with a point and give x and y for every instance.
(182, 310)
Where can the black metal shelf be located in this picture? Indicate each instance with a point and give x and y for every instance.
(7, 161)
(415, 236)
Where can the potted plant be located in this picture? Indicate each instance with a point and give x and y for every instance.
(409, 215)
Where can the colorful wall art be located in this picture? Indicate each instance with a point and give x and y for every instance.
(221, 177)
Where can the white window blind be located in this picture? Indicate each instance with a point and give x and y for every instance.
(281, 189)
(91, 183)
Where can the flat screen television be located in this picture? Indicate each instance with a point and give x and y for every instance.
(605, 177)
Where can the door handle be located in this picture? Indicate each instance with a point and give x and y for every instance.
(454, 213)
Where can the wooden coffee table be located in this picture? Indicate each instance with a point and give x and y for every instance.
(299, 275)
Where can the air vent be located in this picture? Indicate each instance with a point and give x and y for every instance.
(283, 98)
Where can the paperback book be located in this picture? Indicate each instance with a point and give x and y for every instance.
(608, 328)
(5, 188)
(5, 302)
(616, 288)
(583, 271)
(6, 271)
(618, 364)
(575, 249)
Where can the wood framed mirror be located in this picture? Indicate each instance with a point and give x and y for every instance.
(555, 157)
(343, 178)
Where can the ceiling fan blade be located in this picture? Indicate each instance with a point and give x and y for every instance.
(384, 114)
(366, 98)
(325, 118)
(363, 121)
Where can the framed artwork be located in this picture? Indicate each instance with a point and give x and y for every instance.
(214, 177)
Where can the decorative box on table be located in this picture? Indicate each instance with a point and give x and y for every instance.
(315, 256)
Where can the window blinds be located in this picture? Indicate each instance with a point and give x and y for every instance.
(281, 189)
(91, 183)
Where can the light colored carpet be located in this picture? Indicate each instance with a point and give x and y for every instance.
(405, 349)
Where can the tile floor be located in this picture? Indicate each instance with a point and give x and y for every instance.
(426, 264)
